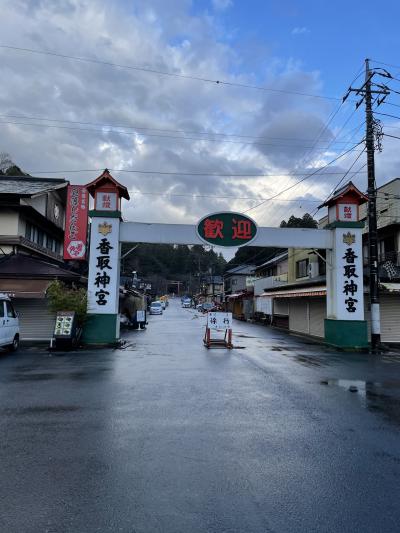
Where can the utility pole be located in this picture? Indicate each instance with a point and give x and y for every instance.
(372, 136)
(372, 222)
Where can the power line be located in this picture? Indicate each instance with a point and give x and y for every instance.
(329, 121)
(167, 194)
(163, 73)
(119, 132)
(342, 179)
(187, 132)
(386, 115)
(302, 179)
(209, 174)
(391, 136)
(391, 103)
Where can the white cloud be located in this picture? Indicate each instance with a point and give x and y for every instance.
(221, 5)
(178, 42)
(300, 30)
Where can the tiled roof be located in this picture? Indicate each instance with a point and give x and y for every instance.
(20, 265)
(29, 186)
(242, 269)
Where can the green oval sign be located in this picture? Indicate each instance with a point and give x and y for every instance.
(227, 229)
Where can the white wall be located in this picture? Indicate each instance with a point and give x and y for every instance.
(8, 222)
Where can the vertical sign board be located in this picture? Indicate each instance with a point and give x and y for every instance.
(104, 266)
(76, 222)
(349, 274)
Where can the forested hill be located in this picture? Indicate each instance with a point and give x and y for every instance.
(256, 255)
(171, 260)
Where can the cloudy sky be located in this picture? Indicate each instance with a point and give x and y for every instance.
(139, 99)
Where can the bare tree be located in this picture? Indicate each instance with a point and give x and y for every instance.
(5, 162)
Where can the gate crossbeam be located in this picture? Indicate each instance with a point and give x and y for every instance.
(187, 234)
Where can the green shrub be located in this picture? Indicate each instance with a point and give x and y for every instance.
(63, 298)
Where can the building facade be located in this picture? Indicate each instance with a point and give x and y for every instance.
(299, 305)
(32, 217)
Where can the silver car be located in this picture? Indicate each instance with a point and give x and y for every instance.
(156, 308)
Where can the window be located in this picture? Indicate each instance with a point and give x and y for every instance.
(28, 229)
(40, 237)
(10, 310)
(1, 309)
(302, 268)
(321, 262)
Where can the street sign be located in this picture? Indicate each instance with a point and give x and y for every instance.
(227, 229)
(219, 320)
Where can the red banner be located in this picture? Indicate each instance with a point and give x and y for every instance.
(76, 223)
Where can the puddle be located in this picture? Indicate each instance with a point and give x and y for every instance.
(131, 346)
(362, 386)
(307, 360)
(58, 409)
(377, 396)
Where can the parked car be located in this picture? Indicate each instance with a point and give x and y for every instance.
(156, 308)
(9, 324)
(163, 304)
(207, 306)
(187, 303)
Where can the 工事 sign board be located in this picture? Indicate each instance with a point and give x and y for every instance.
(219, 320)
(103, 266)
(76, 222)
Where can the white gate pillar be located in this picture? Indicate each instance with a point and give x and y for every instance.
(102, 325)
(345, 325)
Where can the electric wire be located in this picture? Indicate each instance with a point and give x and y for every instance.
(162, 72)
(133, 133)
(303, 179)
(164, 130)
(183, 174)
(194, 195)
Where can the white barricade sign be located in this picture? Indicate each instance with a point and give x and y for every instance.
(140, 316)
(219, 320)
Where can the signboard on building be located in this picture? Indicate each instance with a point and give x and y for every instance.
(227, 229)
(219, 320)
(348, 212)
(103, 266)
(76, 222)
(106, 201)
(349, 274)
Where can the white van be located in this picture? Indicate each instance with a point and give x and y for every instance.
(9, 324)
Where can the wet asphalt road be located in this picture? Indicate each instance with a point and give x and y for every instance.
(166, 436)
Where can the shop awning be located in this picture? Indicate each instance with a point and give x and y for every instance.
(239, 295)
(391, 287)
(25, 288)
(297, 293)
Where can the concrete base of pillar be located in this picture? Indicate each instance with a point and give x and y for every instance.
(346, 334)
(100, 329)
